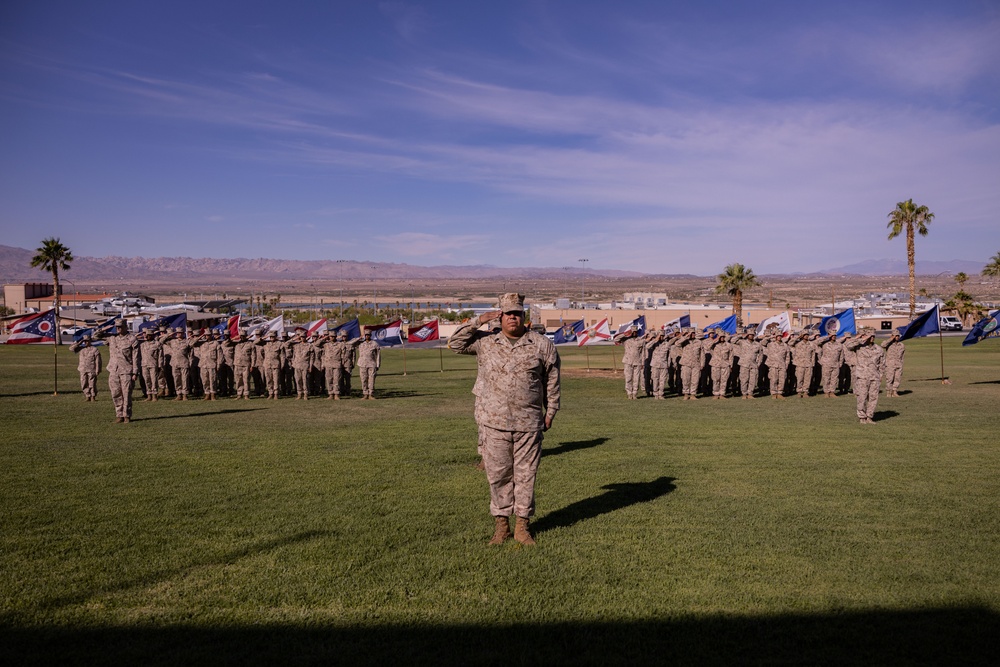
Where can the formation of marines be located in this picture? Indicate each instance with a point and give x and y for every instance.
(748, 365)
(180, 364)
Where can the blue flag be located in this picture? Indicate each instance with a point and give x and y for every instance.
(839, 324)
(568, 332)
(728, 325)
(352, 327)
(682, 322)
(171, 322)
(924, 325)
(106, 325)
(983, 329)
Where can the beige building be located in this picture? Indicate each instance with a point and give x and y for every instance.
(701, 315)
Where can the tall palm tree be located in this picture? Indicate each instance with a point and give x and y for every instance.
(734, 281)
(961, 278)
(913, 220)
(992, 269)
(51, 257)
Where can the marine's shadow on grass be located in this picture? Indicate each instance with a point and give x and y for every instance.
(401, 393)
(882, 415)
(944, 636)
(210, 413)
(159, 576)
(573, 446)
(616, 497)
(987, 382)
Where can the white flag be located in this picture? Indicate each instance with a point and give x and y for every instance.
(781, 322)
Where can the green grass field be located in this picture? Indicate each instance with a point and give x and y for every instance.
(752, 532)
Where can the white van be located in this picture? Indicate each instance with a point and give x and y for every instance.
(950, 323)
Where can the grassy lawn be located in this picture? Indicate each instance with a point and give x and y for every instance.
(297, 532)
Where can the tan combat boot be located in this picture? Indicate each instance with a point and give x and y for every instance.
(501, 533)
(522, 532)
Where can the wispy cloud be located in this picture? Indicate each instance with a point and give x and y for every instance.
(471, 248)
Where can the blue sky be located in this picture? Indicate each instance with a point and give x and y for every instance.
(653, 136)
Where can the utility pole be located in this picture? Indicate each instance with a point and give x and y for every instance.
(583, 281)
(341, 262)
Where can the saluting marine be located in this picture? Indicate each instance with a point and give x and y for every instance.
(867, 375)
(123, 367)
(369, 361)
(89, 365)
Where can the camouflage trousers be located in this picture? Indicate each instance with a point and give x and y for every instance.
(367, 374)
(659, 380)
(720, 378)
(866, 392)
(511, 459)
(803, 378)
(181, 380)
(333, 380)
(893, 374)
(633, 379)
(151, 378)
(301, 381)
(88, 383)
(831, 376)
(748, 379)
(777, 375)
(242, 376)
(272, 380)
(208, 379)
(121, 394)
(690, 376)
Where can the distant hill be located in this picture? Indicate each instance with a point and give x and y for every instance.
(15, 266)
(898, 267)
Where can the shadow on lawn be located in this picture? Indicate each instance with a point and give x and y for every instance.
(229, 411)
(987, 382)
(882, 415)
(963, 635)
(573, 446)
(167, 574)
(617, 496)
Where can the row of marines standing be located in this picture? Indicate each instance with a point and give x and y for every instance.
(168, 363)
(747, 364)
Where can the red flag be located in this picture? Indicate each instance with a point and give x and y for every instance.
(592, 334)
(426, 332)
(233, 325)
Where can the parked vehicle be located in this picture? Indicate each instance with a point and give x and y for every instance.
(950, 323)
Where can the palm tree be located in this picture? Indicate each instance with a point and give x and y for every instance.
(961, 278)
(992, 269)
(733, 281)
(912, 219)
(52, 256)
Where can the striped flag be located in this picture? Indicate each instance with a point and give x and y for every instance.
(592, 334)
(37, 328)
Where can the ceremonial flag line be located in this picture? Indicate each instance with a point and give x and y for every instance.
(37, 328)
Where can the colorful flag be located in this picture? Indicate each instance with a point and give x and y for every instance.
(106, 325)
(592, 334)
(676, 324)
(983, 329)
(728, 325)
(386, 334)
(639, 324)
(316, 327)
(568, 333)
(781, 322)
(351, 327)
(924, 325)
(839, 323)
(171, 322)
(425, 333)
(277, 325)
(37, 328)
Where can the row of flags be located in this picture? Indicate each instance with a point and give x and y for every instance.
(41, 328)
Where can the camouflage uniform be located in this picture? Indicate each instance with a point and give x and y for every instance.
(894, 350)
(123, 367)
(302, 361)
(243, 359)
(648, 343)
(369, 360)
(722, 366)
(347, 351)
(804, 358)
(777, 355)
(751, 353)
(847, 370)
(632, 360)
(209, 353)
(151, 354)
(674, 371)
(659, 364)
(517, 395)
(180, 361)
(831, 358)
(692, 360)
(272, 359)
(226, 378)
(89, 365)
(328, 354)
(868, 376)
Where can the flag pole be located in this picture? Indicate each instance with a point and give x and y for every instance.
(944, 380)
(441, 356)
(587, 349)
(614, 359)
(55, 364)
(404, 358)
